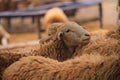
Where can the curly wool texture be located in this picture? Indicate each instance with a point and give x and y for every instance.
(7, 57)
(54, 15)
(86, 67)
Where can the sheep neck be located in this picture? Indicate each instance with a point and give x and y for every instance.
(64, 52)
(56, 49)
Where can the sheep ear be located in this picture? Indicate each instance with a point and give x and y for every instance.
(60, 34)
(45, 39)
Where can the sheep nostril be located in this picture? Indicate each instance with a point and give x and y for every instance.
(87, 35)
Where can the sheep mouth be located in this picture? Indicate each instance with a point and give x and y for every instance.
(86, 41)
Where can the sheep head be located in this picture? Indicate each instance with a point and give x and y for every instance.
(70, 33)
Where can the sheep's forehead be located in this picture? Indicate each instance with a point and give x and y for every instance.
(60, 27)
(72, 26)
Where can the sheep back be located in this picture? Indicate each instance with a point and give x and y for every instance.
(86, 67)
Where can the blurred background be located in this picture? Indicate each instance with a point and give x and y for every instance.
(23, 30)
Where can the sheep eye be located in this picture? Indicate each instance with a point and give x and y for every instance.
(68, 30)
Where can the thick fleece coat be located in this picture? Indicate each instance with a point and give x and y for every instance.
(86, 67)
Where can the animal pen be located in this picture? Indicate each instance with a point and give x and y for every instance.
(70, 8)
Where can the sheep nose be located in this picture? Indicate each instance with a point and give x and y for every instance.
(87, 35)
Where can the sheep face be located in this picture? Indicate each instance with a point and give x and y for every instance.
(71, 33)
(74, 34)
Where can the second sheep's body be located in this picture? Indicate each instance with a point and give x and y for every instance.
(86, 67)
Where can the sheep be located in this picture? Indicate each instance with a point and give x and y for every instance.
(64, 40)
(85, 67)
(54, 15)
(4, 36)
(52, 31)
